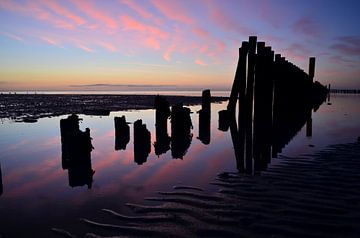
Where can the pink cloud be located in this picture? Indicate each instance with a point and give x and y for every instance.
(137, 8)
(152, 43)
(227, 22)
(50, 41)
(108, 46)
(33, 9)
(85, 48)
(132, 24)
(306, 26)
(201, 32)
(173, 10)
(62, 11)
(97, 14)
(347, 45)
(12, 36)
(167, 54)
(200, 62)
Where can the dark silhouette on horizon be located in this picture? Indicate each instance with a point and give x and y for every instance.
(181, 126)
(205, 117)
(1, 184)
(122, 133)
(275, 100)
(142, 142)
(162, 114)
(76, 150)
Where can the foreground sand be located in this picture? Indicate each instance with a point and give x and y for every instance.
(310, 196)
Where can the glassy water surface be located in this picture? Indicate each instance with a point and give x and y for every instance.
(35, 191)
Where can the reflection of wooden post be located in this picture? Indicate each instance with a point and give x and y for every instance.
(1, 184)
(309, 126)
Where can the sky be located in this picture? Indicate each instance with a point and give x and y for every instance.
(169, 45)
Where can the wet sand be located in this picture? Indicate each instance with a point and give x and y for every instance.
(29, 107)
(309, 196)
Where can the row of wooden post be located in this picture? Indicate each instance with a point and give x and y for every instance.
(274, 99)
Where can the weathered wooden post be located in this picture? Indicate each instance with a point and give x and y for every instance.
(122, 133)
(249, 102)
(312, 68)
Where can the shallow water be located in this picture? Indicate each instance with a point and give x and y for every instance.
(37, 196)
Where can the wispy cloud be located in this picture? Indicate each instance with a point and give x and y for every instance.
(96, 13)
(306, 26)
(200, 62)
(85, 48)
(347, 45)
(174, 10)
(12, 36)
(62, 11)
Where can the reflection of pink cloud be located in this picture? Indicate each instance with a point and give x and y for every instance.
(96, 13)
(62, 11)
(173, 10)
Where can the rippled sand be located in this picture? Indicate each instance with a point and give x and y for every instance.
(310, 196)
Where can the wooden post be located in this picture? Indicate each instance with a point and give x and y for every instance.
(249, 103)
(239, 84)
(312, 68)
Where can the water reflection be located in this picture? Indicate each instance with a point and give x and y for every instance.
(1, 184)
(142, 142)
(76, 152)
(162, 113)
(122, 133)
(204, 118)
(181, 135)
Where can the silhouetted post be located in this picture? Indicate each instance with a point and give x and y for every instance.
(249, 102)
(206, 100)
(312, 68)
(162, 113)
(122, 133)
(181, 126)
(142, 142)
(1, 184)
(239, 84)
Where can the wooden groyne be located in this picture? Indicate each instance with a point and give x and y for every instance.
(275, 99)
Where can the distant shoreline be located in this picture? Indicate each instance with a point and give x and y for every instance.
(30, 107)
